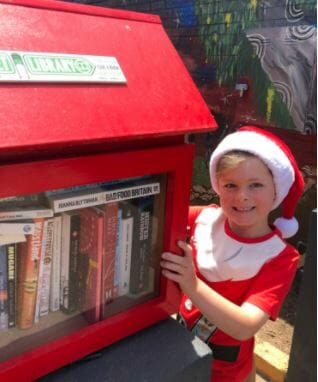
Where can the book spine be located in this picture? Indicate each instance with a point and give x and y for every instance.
(25, 214)
(40, 273)
(127, 224)
(12, 283)
(118, 252)
(28, 268)
(110, 234)
(46, 264)
(12, 200)
(73, 303)
(128, 193)
(68, 203)
(140, 258)
(65, 262)
(56, 264)
(9, 239)
(16, 228)
(91, 251)
(77, 202)
(88, 187)
(3, 289)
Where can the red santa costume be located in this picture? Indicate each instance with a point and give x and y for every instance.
(255, 270)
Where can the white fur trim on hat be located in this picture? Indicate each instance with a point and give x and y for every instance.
(288, 227)
(266, 150)
(288, 181)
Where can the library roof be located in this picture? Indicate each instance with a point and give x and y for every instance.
(157, 97)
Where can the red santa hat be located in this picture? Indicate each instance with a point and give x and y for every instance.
(288, 180)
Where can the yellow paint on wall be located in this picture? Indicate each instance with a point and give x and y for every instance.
(269, 103)
(253, 4)
(228, 18)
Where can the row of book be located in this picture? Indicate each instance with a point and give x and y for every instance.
(87, 249)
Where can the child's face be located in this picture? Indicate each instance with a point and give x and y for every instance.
(247, 193)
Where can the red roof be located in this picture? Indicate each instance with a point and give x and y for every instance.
(159, 98)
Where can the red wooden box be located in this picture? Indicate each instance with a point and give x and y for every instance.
(68, 133)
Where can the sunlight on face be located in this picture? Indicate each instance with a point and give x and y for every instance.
(247, 193)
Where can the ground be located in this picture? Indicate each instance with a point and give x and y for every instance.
(279, 333)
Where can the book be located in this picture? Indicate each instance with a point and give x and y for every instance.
(26, 212)
(69, 294)
(4, 315)
(141, 247)
(21, 200)
(12, 283)
(127, 224)
(56, 264)
(43, 291)
(92, 247)
(98, 185)
(74, 263)
(109, 254)
(118, 251)
(94, 197)
(28, 269)
(8, 239)
(17, 228)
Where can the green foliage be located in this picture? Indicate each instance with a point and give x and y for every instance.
(222, 26)
(201, 173)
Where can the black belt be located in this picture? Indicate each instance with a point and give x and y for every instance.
(220, 352)
(224, 353)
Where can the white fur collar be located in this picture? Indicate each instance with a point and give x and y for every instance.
(220, 257)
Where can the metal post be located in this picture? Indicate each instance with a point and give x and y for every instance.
(303, 357)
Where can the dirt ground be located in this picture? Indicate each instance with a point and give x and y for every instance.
(279, 333)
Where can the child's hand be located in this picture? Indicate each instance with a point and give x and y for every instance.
(180, 268)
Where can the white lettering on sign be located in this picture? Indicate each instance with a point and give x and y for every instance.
(56, 67)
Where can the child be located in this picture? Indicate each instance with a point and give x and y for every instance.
(238, 269)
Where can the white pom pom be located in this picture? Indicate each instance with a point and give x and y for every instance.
(287, 227)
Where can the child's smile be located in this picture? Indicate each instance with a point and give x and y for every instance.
(245, 209)
(246, 194)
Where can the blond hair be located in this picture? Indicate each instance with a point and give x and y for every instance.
(232, 159)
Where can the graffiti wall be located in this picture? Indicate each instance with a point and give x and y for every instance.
(254, 62)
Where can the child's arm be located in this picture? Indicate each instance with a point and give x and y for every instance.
(240, 322)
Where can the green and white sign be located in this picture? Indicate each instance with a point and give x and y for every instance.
(55, 67)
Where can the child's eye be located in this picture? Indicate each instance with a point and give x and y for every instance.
(229, 185)
(256, 185)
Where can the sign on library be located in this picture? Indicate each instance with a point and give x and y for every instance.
(56, 67)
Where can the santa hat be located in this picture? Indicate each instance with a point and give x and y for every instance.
(288, 180)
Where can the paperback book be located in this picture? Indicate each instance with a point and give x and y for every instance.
(43, 292)
(141, 247)
(91, 248)
(28, 271)
(12, 283)
(56, 264)
(4, 314)
(69, 293)
(127, 225)
(109, 254)
(96, 197)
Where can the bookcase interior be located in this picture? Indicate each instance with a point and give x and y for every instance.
(78, 255)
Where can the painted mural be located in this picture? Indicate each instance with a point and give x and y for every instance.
(254, 62)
